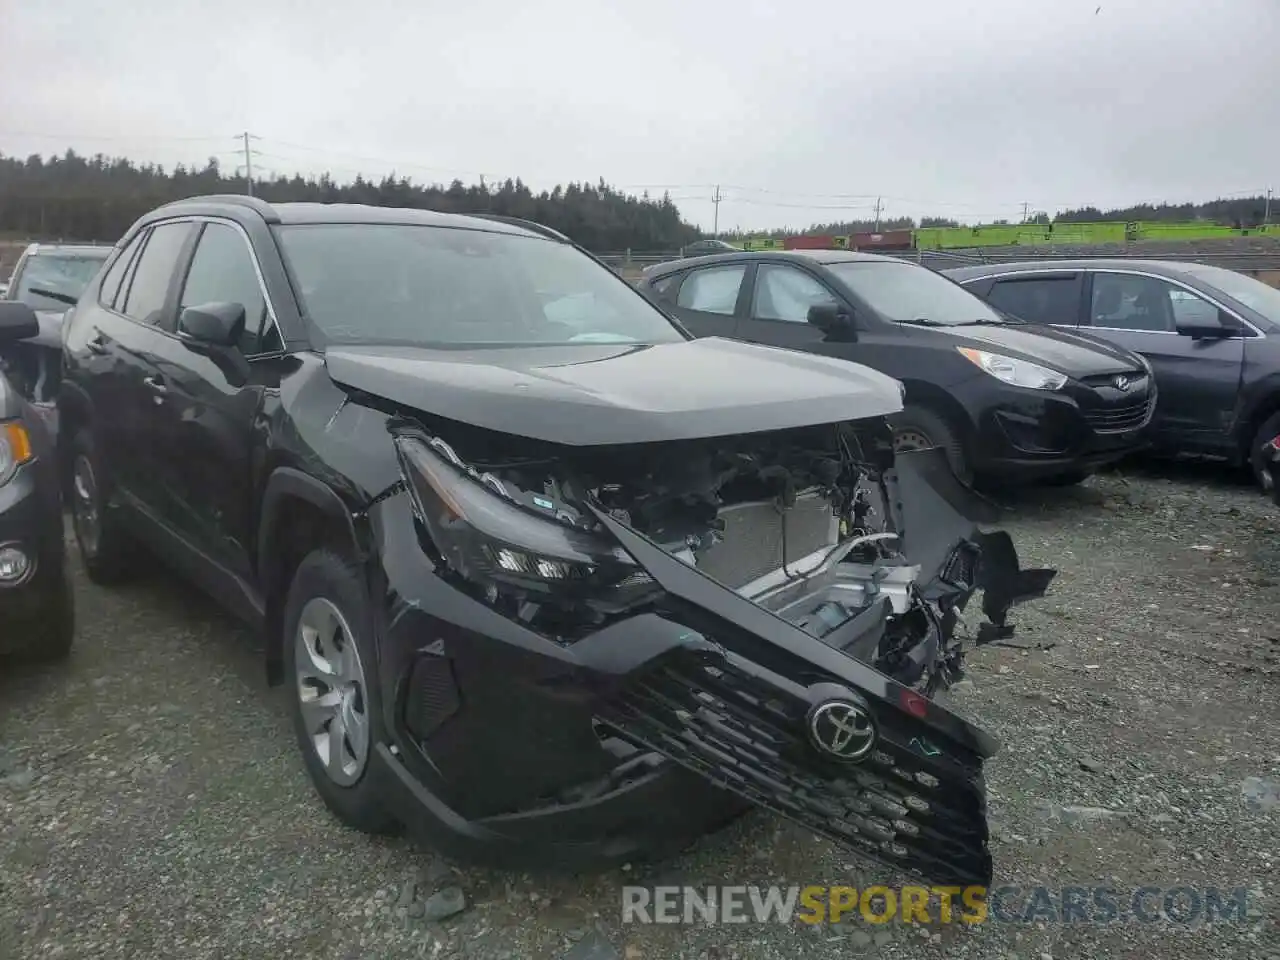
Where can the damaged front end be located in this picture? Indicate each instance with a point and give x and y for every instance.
(775, 613)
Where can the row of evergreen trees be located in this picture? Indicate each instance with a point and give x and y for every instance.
(73, 197)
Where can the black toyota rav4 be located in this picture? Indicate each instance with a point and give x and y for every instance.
(549, 580)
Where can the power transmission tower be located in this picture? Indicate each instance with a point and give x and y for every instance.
(715, 221)
(879, 208)
(248, 160)
(1025, 205)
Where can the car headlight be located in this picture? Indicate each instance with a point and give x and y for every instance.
(1017, 373)
(15, 449)
(505, 547)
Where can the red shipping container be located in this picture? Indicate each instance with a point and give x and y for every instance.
(889, 240)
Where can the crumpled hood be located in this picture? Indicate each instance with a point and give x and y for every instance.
(596, 394)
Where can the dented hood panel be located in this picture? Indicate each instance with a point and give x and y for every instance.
(598, 394)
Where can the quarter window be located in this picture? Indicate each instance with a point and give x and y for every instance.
(786, 293)
(664, 286)
(111, 282)
(149, 288)
(222, 271)
(713, 290)
(1054, 300)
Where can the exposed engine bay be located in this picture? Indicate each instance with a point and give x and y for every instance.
(803, 522)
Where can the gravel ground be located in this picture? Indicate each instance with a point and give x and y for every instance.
(152, 805)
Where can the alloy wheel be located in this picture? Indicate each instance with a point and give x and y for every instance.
(911, 439)
(331, 691)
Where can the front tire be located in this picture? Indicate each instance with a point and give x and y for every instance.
(919, 428)
(1269, 430)
(331, 670)
(51, 638)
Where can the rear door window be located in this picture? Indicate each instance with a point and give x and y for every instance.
(713, 289)
(1054, 300)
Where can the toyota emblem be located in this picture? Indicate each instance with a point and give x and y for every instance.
(842, 729)
(1121, 382)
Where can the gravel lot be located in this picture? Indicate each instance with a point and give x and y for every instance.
(152, 804)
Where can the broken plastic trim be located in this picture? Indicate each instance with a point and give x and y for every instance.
(936, 517)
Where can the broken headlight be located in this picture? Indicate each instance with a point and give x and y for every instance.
(503, 546)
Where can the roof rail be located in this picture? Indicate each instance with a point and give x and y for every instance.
(256, 204)
(527, 224)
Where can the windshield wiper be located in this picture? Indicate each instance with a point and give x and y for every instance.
(925, 322)
(54, 295)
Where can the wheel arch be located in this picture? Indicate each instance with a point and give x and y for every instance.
(299, 514)
(921, 393)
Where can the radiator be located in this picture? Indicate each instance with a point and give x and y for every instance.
(755, 534)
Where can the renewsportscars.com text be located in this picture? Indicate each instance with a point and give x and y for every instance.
(933, 905)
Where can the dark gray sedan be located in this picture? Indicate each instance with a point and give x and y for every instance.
(1211, 336)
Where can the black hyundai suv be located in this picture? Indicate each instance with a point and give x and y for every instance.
(549, 580)
(1008, 401)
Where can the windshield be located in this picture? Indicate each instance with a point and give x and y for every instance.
(1252, 293)
(906, 293)
(363, 283)
(63, 273)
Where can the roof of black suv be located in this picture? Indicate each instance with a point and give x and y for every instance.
(1163, 268)
(298, 213)
(815, 256)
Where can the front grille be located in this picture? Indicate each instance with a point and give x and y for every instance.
(1125, 415)
(759, 538)
(908, 804)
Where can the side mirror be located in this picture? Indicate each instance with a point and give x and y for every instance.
(833, 320)
(213, 330)
(17, 321)
(213, 324)
(1206, 327)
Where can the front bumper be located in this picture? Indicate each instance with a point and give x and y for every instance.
(1022, 434)
(510, 748)
(31, 520)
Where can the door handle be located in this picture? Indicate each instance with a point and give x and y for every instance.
(95, 345)
(157, 388)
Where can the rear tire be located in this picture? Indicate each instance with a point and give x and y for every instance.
(334, 697)
(919, 428)
(109, 554)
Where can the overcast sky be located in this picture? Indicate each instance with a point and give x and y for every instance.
(804, 112)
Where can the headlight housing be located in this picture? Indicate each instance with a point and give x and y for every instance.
(15, 449)
(1016, 373)
(508, 549)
